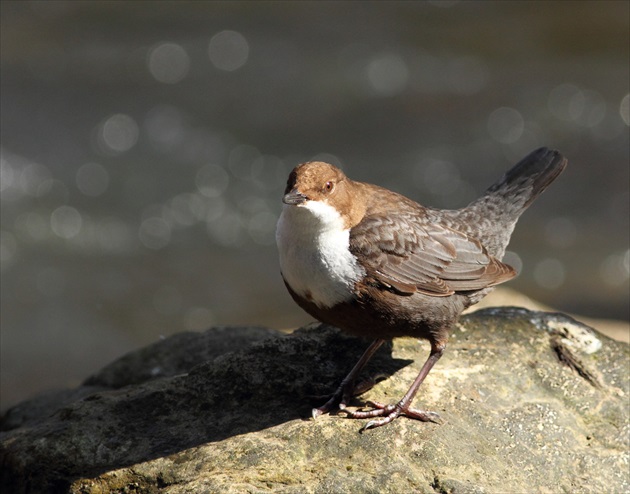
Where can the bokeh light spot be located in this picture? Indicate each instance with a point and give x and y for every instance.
(513, 259)
(624, 109)
(615, 269)
(34, 179)
(168, 63)
(388, 74)
(117, 134)
(228, 50)
(184, 209)
(566, 102)
(66, 222)
(506, 125)
(549, 274)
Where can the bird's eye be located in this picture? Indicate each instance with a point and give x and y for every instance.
(329, 186)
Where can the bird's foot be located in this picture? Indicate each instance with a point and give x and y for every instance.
(388, 413)
(344, 393)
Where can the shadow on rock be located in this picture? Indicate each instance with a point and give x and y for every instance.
(162, 400)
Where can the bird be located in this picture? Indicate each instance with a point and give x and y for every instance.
(379, 265)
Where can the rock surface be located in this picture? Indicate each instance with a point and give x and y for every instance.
(531, 402)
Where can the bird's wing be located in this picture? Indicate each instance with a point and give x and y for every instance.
(409, 254)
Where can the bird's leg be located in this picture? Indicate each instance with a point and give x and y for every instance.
(346, 389)
(390, 412)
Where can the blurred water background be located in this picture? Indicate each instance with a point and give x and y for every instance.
(145, 148)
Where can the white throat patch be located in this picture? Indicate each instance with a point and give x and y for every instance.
(315, 259)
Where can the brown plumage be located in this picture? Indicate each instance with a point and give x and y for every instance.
(377, 264)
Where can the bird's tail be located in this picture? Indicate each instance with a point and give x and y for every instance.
(498, 209)
(526, 180)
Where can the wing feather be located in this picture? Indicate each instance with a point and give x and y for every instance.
(409, 253)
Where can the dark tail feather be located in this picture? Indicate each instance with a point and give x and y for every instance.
(528, 178)
(501, 205)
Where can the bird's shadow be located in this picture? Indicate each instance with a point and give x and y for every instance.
(255, 388)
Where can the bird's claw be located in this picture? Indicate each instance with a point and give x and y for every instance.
(342, 396)
(387, 413)
(338, 399)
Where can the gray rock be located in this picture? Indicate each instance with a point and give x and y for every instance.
(177, 354)
(531, 402)
(169, 357)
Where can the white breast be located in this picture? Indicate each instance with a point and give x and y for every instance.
(315, 259)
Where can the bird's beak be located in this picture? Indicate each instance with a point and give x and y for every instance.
(294, 198)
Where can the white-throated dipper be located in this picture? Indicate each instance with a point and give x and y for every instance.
(379, 265)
